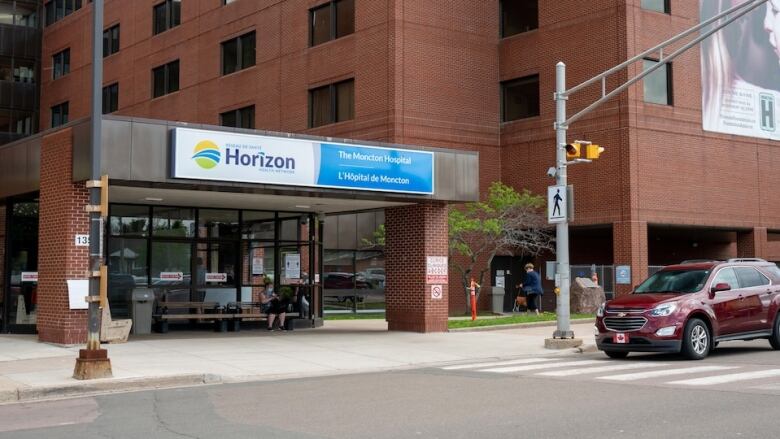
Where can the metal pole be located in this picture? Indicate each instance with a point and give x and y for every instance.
(562, 228)
(95, 223)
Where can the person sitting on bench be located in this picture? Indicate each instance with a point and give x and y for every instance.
(275, 305)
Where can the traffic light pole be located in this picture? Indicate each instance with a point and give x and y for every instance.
(563, 271)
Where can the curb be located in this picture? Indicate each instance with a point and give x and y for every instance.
(517, 326)
(106, 386)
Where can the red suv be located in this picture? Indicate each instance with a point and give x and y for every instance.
(690, 307)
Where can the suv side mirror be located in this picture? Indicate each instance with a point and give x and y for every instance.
(723, 286)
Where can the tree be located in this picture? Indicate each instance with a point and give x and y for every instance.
(507, 222)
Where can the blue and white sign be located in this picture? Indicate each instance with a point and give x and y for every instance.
(623, 274)
(210, 155)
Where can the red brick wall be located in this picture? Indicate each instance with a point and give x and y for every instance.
(62, 216)
(412, 233)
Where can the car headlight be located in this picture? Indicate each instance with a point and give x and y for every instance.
(600, 311)
(663, 310)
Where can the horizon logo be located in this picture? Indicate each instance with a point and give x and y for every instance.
(260, 160)
(207, 154)
(767, 109)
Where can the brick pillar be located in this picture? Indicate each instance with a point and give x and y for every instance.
(412, 233)
(753, 244)
(629, 247)
(62, 216)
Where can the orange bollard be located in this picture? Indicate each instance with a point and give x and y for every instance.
(473, 299)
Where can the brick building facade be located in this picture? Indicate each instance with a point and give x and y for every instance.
(431, 73)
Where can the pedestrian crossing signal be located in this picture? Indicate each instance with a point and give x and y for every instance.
(592, 152)
(573, 150)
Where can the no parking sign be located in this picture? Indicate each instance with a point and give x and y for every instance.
(436, 292)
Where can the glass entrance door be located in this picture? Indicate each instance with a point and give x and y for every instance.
(20, 297)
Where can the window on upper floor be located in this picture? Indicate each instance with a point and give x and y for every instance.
(240, 118)
(658, 85)
(238, 53)
(166, 16)
(165, 79)
(110, 98)
(111, 41)
(61, 63)
(59, 114)
(56, 10)
(17, 70)
(332, 103)
(227, 2)
(518, 16)
(520, 98)
(331, 20)
(657, 5)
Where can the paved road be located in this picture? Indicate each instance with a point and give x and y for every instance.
(733, 393)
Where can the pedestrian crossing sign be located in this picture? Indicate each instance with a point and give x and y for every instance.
(556, 204)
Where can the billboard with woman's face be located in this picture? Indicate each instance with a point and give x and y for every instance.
(740, 69)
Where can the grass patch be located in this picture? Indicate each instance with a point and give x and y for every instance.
(530, 318)
(352, 316)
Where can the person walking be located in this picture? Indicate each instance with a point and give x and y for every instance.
(532, 287)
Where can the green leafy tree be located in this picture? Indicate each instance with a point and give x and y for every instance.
(507, 222)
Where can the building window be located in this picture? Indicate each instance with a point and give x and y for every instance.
(332, 103)
(166, 16)
(658, 85)
(332, 20)
(110, 98)
(165, 79)
(518, 16)
(61, 63)
(227, 2)
(111, 41)
(520, 98)
(56, 10)
(657, 5)
(238, 53)
(240, 118)
(59, 114)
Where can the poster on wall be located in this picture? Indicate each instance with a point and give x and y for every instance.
(292, 265)
(740, 71)
(257, 266)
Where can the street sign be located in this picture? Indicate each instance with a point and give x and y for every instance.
(556, 204)
(436, 270)
(623, 274)
(436, 292)
(177, 276)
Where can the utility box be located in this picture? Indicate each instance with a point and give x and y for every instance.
(497, 294)
(141, 311)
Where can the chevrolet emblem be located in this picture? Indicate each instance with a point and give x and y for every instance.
(622, 314)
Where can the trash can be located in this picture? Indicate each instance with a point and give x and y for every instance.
(498, 300)
(141, 311)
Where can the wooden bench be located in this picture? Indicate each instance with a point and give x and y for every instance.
(193, 311)
(243, 311)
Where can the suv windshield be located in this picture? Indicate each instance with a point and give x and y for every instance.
(674, 281)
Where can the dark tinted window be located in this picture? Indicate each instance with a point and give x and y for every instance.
(331, 20)
(658, 85)
(240, 118)
(59, 114)
(656, 5)
(166, 15)
(111, 40)
(519, 16)
(520, 98)
(332, 103)
(165, 79)
(61, 63)
(110, 98)
(58, 9)
(750, 277)
(674, 281)
(238, 53)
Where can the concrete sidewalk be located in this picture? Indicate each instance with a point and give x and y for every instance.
(32, 370)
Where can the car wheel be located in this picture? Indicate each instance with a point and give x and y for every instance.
(696, 340)
(774, 339)
(616, 354)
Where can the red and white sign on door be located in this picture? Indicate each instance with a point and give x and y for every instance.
(436, 270)
(172, 275)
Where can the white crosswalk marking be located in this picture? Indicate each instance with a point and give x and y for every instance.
(666, 372)
(729, 378)
(497, 363)
(542, 366)
(599, 369)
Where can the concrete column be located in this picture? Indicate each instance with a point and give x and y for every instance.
(753, 244)
(61, 217)
(629, 247)
(412, 233)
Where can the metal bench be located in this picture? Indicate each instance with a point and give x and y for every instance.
(193, 311)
